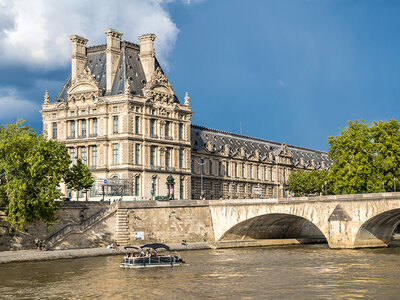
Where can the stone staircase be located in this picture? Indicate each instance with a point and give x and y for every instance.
(122, 228)
(60, 235)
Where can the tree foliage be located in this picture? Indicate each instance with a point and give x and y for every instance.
(303, 182)
(79, 177)
(365, 157)
(31, 169)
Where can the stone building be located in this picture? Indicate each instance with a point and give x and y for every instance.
(118, 112)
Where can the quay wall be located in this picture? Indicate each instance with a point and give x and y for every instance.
(70, 213)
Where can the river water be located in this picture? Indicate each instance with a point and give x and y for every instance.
(290, 272)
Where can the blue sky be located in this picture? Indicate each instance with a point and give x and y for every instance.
(288, 71)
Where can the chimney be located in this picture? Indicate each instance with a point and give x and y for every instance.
(147, 54)
(78, 55)
(113, 54)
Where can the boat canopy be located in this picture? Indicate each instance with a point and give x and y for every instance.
(156, 246)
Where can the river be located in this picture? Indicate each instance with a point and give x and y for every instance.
(290, 272)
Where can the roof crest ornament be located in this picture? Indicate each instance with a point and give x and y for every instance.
(46, 97)
(187, 98)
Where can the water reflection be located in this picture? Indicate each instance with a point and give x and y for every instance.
(301, 272)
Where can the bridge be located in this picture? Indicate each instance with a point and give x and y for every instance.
(345, 221)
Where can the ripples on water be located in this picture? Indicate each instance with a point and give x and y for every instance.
(298, 272)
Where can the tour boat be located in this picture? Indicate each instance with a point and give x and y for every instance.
(170, 260)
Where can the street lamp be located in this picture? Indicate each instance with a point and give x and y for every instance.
(201, 176)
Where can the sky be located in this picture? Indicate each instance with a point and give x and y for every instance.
(290, 71)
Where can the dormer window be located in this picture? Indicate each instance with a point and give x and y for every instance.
(72, 113)
(115, 109)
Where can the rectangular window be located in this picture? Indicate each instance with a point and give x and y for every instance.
(137, 125)
(192, 163)
(181, 158)
(137, 186)
(181, 189)
(153, 155)
(94, 111)
(54, 116)
(95, 127)
(168, 157)
(227, 168)
(271, 174)
(54, 130)
(211, 167)
(202, 165)
(94, 156)
(137, 154)
(258, 172)
(180, 131)
(115, 109)
(72, 154)
(167, 125)
(72, 113)
(83, 128)
(72, 129)
(265, 173)
(236, 169)
(219, 168)
(152, 127)
(243, 171)
(251, 172)
(84, 155)
(115, 124)
(115, 154)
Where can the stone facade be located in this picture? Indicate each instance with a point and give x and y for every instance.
(119, 113)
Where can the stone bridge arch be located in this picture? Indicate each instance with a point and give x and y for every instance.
(346, 221)
(377, 230)
(273, 226)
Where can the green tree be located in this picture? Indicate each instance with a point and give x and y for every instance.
(352, 170)
(386, 140)
(31, 169)
(366, 157)
(79, 177)
(303, 182)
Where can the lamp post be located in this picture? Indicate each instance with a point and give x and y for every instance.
(201, 176)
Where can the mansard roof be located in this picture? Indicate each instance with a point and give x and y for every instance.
(216, 140)
(129, 67)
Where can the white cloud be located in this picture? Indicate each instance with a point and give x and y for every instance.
(281, 82)
(36, 33)
(13, 106)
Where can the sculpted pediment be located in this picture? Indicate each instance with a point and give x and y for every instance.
(159, 89)
(84, 87)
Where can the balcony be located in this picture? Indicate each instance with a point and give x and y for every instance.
(93, 135)
(170, 169)
(169, 138)
(155, 136)
(82, 136)
(156, 168)
(71, 137)
(92, 168)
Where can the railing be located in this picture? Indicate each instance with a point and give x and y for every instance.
(169, 138)
(93, 135)
(170, 169)
(78, 228)
(71, 137)
(156, 168)
(92, 168)
(154, 136)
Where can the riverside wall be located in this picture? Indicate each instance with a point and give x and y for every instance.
(70, 213)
